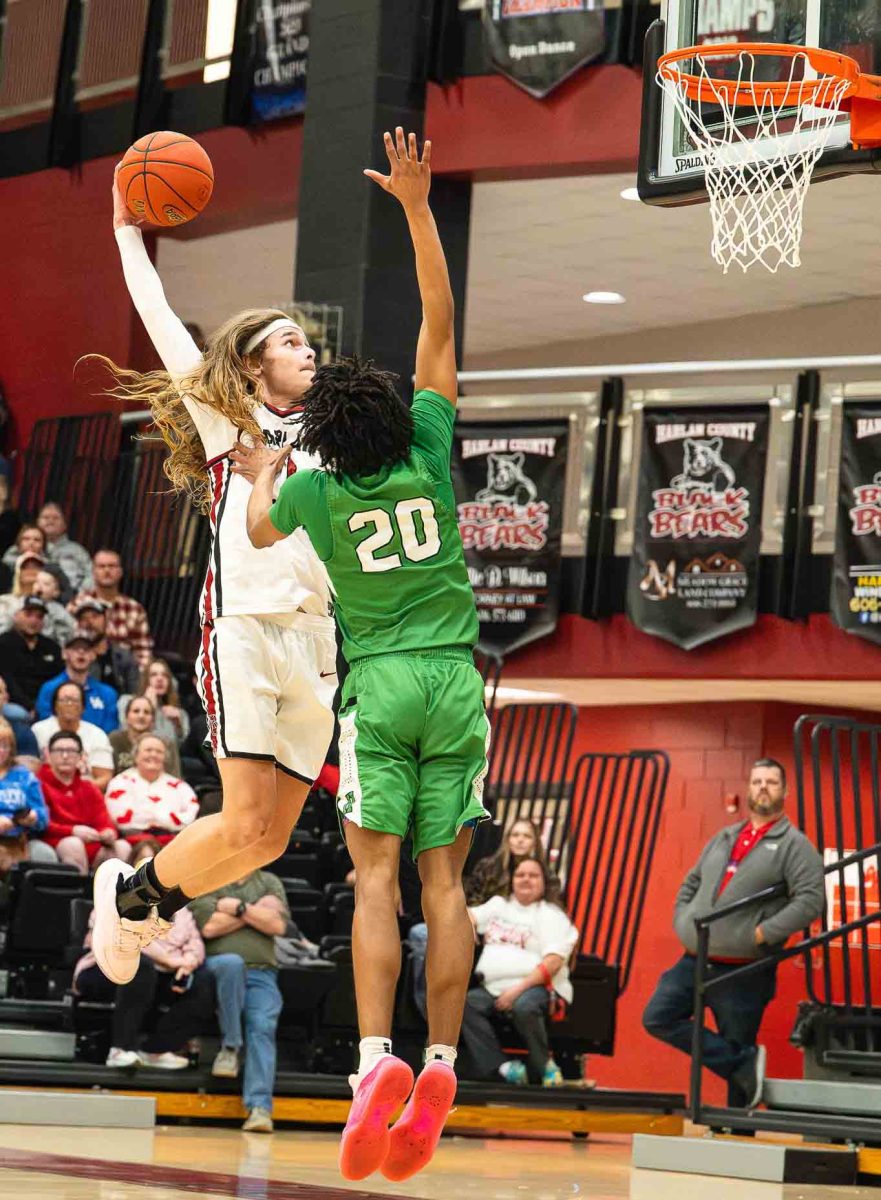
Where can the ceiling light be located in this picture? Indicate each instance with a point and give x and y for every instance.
(603, 298)
(631, 193)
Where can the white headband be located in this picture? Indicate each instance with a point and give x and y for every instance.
(279, 323)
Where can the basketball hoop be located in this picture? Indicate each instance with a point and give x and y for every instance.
(760, 139)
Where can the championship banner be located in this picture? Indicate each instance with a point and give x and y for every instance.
(509, 482)
(280, 58)
(856, 563)
(539, 43)
(694, 569)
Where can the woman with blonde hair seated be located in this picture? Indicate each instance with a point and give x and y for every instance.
(159, 686)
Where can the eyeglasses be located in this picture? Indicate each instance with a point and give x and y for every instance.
(69, 700)
(65, 751)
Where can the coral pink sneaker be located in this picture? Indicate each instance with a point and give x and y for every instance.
(365, 1139)
(414, 1137)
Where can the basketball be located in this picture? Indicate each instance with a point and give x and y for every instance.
(166, 177)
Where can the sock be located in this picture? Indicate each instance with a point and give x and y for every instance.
(136, 895)
(171, 902)
(372, 1049)
(437, 1050)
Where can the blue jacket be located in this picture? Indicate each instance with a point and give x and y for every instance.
(20, 788)
(101, 702)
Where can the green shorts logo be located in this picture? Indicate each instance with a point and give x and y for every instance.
(348, 805)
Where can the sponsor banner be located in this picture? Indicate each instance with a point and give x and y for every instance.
(280, 58)
(856, 563)
(694, 569)
(509, 482)
(538, 43)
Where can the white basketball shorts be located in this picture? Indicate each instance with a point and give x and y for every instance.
(267, 686)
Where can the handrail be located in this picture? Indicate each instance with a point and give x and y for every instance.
(702, 985)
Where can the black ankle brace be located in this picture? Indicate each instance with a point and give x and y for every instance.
(136, 895)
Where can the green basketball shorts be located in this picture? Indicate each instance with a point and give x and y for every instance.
(414, 739)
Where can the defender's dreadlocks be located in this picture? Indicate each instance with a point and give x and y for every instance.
(354, 420)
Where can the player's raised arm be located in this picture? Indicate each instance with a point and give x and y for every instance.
(179, 353)
(409, 181)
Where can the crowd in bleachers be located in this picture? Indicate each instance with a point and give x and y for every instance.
(103, 754)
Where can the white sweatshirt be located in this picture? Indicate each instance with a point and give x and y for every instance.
(241, 580)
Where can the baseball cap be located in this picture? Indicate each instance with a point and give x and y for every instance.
(31, 556)
(79, 636)
(90, 604)
(34, 603)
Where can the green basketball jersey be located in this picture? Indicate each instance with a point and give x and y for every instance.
(391, 543)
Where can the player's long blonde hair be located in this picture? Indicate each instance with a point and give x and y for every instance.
(223, 381)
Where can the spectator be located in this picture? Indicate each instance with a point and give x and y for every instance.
(145, 800)
(80, 829)
(73, 558)
(171, 984)
(528, 940)
(20, 721)
(160, 687)
(101, 700)
(139, 717)
(114, 664)
(59, 624)
(491, 876)
(30, 539)
(23, 812)
(239, 924)
(29, 658)
(738, 862)
(10, 522)
(27, 568)
(68, 704)
(127, 623)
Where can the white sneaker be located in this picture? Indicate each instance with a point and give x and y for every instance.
(226, 1064)
(122, 1058)
(117, 942)
(167, 1061)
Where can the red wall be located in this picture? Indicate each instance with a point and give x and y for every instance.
(711, 749)
(772, 649)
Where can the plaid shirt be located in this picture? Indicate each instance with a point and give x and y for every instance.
(127, 624)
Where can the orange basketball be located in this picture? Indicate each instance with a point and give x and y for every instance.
(166, 178)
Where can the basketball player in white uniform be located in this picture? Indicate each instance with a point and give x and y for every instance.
(266, 663)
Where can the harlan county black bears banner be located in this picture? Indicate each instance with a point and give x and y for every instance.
(856, 565)
(538, 43)
(280, 58)
(694, 568)
(509, 483)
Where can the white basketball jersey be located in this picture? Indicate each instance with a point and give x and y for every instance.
(241, 580)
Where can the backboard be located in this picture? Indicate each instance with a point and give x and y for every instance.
(670, 171)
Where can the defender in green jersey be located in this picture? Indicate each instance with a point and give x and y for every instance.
(414, 734)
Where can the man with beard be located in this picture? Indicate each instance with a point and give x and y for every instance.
(738, 862)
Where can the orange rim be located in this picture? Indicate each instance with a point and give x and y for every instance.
(828, 64)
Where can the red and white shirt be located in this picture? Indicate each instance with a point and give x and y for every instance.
(137, 804)
(241, 581)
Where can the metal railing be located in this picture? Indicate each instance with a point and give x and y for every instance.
(837, 763)
(613, 831)
(528, 774)
(819, 1124)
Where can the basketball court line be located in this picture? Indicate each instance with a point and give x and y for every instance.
(182, 1178)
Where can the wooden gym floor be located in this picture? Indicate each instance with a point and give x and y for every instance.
(183, 1162)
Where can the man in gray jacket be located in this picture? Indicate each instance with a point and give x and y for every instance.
(738, 862)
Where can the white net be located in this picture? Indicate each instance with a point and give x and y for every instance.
(758, 156)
